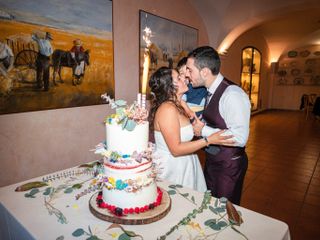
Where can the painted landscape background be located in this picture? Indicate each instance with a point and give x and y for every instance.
(171, 41)
(18, 91)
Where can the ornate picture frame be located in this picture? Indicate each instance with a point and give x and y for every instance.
(60, 54)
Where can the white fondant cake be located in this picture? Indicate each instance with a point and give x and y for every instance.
(128, 180)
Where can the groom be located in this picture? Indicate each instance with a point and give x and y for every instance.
(227, 107)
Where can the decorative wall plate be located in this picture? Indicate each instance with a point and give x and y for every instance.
(305, 53)
(292, 54)
(298, 81)
(295, 72)
(317, 53)
(293, 64)
(311, 61)
(282, 81)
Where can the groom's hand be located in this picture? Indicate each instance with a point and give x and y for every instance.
(197, 125)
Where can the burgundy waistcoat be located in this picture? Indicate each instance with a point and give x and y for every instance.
(213, 119)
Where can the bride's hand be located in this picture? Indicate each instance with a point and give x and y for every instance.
(218, 139)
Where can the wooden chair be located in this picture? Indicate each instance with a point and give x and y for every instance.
(308, 103)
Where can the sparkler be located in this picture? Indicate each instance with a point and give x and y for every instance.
(146, 37)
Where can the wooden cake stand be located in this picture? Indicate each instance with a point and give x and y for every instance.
(132, 219)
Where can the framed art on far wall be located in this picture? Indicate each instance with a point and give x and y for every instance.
(59, 54)
(170, 41)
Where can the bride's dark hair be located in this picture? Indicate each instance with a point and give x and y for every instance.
(163, 90)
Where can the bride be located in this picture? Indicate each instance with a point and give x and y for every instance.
(173, 132)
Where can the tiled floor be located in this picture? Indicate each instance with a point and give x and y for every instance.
(283, 177)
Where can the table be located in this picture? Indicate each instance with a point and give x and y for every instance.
(54, 213)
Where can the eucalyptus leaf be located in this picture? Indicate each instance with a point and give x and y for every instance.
(47, 191)
(215, 227)
(68, 190)
(172, 192)
(120, 112)
(60, 237)
(120, 103)
(77, 233)
(113, 105)
(77, 186)
(223, 200)
(222, 224)
(220, 210)
(179, 186)
(34, 191)
(124, 236)
(93, 238)
(216, 203)
(185, 194)
(212, 209)
(172, 186)
(192, 199)
(210, 221)
(28, 195)
(131, 124)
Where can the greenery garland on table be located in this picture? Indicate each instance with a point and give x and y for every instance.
(175, 189)
(204, 205)
(222, 207)
(50, 192)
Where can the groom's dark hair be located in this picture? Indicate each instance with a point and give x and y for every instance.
(206, 56)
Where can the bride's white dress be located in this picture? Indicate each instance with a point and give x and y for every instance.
(185, 170)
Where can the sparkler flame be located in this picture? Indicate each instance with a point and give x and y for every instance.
(146, 37)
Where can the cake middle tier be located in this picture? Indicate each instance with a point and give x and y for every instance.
(129, 187)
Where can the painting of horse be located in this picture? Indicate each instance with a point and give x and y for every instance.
(77, 49)
(61, 58)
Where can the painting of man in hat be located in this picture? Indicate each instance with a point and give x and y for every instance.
(77, 52)
(43, 59)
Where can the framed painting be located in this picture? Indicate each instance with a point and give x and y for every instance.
(55, 54)
(170, 41)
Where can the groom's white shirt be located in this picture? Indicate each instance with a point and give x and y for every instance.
(234, 107)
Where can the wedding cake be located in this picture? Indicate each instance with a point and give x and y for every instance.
(128, 180)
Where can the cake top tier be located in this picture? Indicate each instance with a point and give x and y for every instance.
(128, 116)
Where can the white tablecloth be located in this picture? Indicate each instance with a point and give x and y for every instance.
(28, 218)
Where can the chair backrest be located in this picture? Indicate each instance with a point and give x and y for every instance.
(312, 98)
(305, 100)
